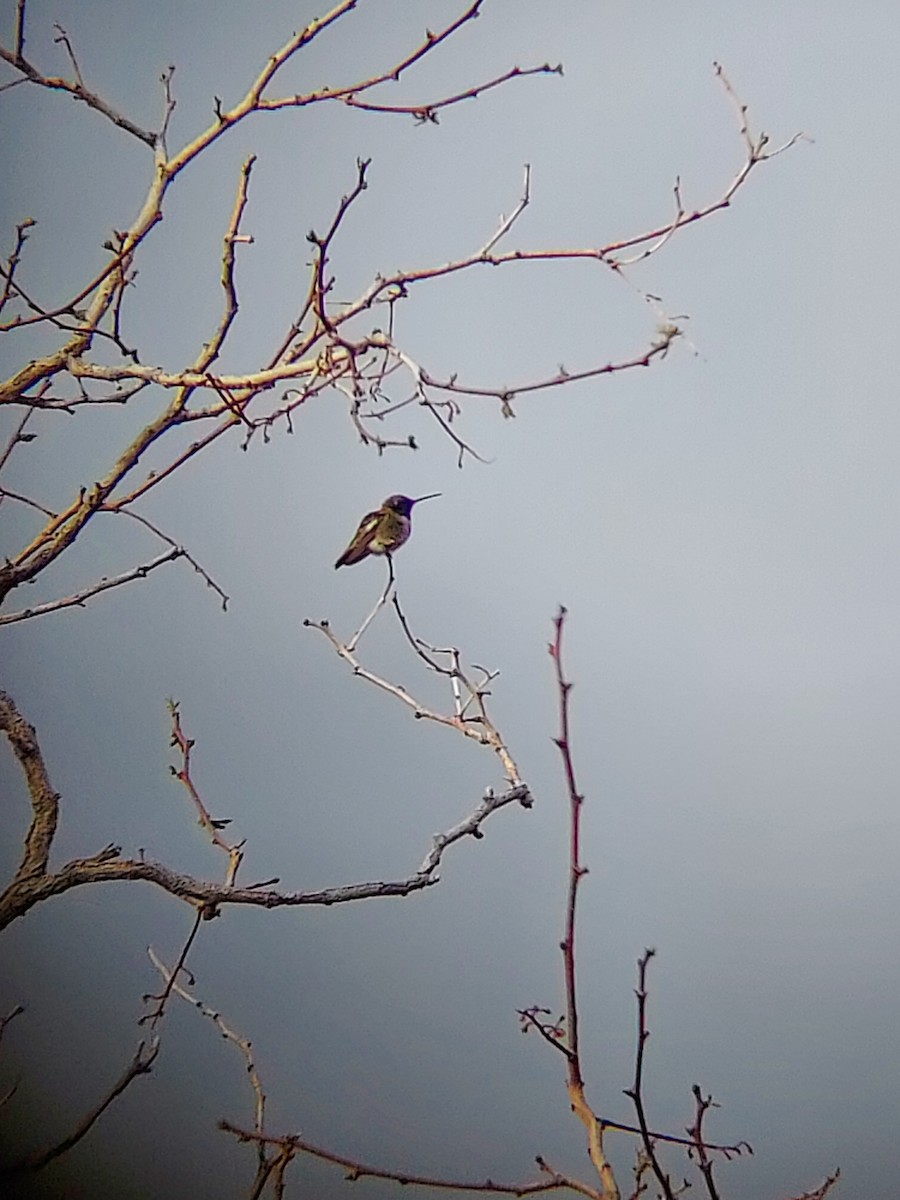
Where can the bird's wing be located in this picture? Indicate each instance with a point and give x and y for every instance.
(361, 540)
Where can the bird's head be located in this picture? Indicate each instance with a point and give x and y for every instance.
(404, 504)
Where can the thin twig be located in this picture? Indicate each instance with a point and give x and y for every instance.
(506, 223)
(429, 111)
(243, 1045)
(635, 1092)
(379, 604)
(80, 92)
(823, 1189)
(141, 1064)
(79, 599)
(155, 1016)
(63, 37)
(10, 1016)
(481, 729)
(702, 1105)
(357, 1170)
(184, 744)
(592, 1123)
(14, 258)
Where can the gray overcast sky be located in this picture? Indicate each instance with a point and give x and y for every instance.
(722, 527)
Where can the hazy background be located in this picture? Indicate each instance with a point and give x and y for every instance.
(722, 527)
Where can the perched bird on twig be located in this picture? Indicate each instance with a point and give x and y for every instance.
(382, 531)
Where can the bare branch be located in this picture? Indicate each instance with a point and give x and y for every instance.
(63, 37)
(79, 599)
(635, 1092)
(15, 256)
(44, 800)
(379, 604)
(506, 223)
(141, 1064)
(33, 883)
(164, 537)
(700, 1148)
(243, 1045)
(394, 73)
(357, 1170)
(592, 1123)
(478, 727)
(79, 91)
(17, 437)
(429, 111)
(156, 1014)
(823, 1189)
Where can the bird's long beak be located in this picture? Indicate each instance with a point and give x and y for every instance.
(433, 496)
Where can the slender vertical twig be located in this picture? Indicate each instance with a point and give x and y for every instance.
(592, 1123)
(635, 1092)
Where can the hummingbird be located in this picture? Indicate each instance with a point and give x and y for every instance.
(382, 531)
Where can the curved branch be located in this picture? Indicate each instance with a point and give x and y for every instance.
(141, 1064)
(33, 883)
(357, 1170)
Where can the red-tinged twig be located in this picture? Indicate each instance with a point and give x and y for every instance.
(554, 1033)
(323, 357)
(393, 74)
(758, 151)
(141, 1064)
(185, 745)
(506, 395)
(592, 1123)
(429, 111)
(357, 1170)
(635, 1092)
